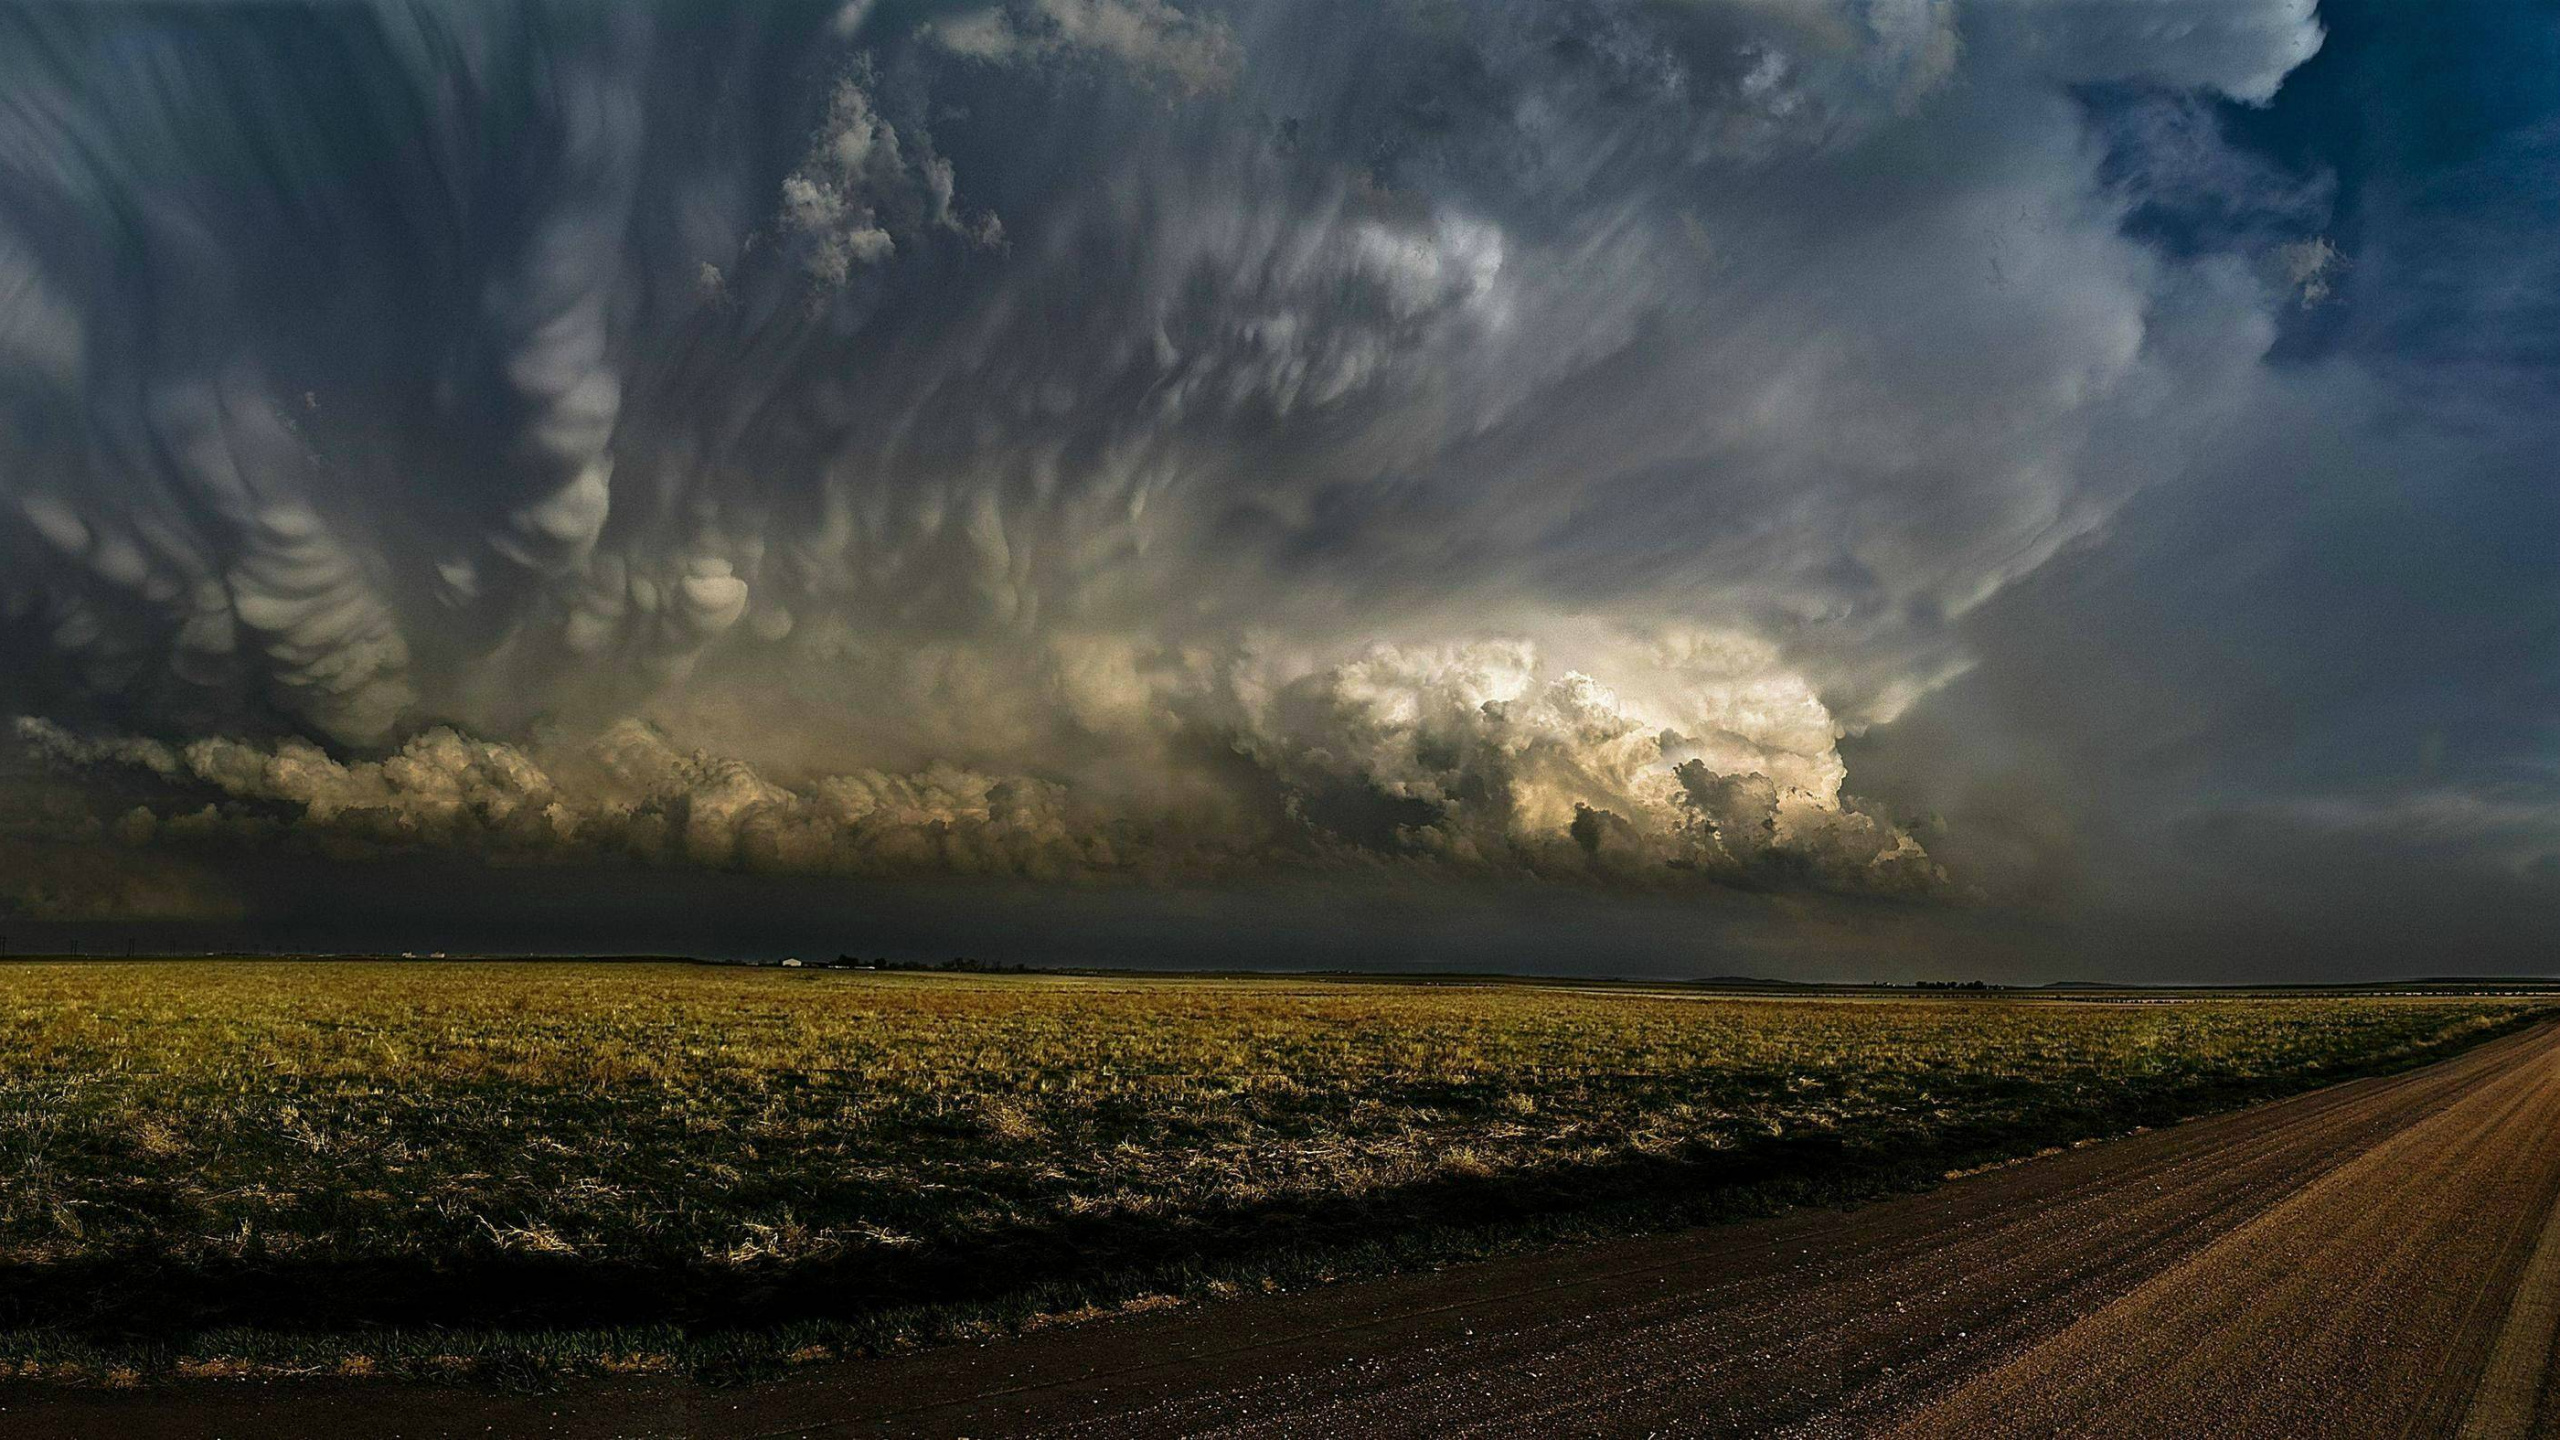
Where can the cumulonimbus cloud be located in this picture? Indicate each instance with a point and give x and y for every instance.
(1073, 436)
(1465, 760)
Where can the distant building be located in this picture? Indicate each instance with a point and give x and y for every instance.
(793, 963)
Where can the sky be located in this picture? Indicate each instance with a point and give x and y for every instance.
(2017, 489)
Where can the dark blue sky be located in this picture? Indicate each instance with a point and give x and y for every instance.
(2304, 702)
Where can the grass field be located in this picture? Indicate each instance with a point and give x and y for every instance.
(507, 1171)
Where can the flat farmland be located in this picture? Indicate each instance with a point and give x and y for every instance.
(486, 1170)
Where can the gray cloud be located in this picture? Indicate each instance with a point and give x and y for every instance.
(1074, 438)
(1154, 39)
(628, 794)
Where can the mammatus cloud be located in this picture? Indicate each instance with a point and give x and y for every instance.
(1075, 437)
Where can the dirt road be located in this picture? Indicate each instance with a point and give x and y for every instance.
(2380, 1258)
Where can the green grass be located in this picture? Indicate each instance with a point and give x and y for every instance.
(515, 1171)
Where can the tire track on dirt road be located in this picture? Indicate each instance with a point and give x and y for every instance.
(2368, 1303)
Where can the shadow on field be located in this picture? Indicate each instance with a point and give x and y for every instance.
(147, 1298)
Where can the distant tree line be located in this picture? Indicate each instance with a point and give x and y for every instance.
(957, 964)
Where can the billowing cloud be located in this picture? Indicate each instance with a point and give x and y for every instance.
(628, 794)
(1064, 438)
(2243, 51)
(1465, 761)
(1471, 754)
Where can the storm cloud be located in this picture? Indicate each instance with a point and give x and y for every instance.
(1102, 440)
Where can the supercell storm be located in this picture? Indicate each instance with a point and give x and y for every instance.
(1074, 438)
